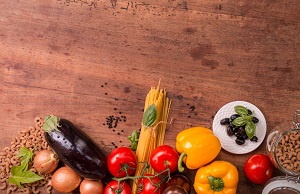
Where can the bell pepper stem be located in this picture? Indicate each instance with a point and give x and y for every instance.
(215, 183)
(180, 160)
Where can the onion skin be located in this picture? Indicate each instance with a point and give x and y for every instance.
(65, 180)
(45, 161)
(91, 187)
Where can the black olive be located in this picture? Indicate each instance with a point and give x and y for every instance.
(234, 116)
(249, 112)
(245, 136)
(239, 141)
(224, 121)
(229, 131)
(232, 125)
(240, 136)
(255, 120)
(254, 138)
(241, 130)
(235, 129)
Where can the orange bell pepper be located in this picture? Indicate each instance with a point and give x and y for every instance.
(198, 146)
(219, 177)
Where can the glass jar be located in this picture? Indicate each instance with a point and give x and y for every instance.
(283, 147)
(282, 185)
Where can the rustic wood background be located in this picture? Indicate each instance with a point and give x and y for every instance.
(86, 60)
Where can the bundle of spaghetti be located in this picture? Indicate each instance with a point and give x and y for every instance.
(152, 137)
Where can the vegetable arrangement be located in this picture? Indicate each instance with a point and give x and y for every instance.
(141, 169)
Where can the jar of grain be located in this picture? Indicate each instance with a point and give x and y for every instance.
(283, 147)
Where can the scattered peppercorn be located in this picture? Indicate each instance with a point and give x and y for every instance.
(192, 108)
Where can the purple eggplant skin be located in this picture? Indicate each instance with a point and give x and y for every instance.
(75, 148)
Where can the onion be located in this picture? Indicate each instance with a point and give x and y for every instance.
(65, 180)
(91, 187)
(45, 161)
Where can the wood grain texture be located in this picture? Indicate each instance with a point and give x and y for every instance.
(86, 60)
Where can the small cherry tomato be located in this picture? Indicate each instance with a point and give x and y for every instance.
(152, 185)
(258, 168)
(163, 157)
(112, 188)
(120, 160)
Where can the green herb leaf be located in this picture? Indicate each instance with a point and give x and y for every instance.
(20, 174)
(250, 129)
(150, 115)
(240, 121)
(16, 170)
(240, 110)
(133, 138)
(26, 157)
(248, 118)
(24, 177)
(12, 180)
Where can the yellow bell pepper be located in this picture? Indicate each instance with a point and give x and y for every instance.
(198, 146)
(219, 177)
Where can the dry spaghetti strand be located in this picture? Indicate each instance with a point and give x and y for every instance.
(152, 137)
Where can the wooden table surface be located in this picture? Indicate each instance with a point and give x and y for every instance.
(86, 60)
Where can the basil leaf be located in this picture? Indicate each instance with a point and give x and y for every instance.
(240, 121)
(248, 118)
(134, 139)
(241, 110)
(250, 129)
(150, 115)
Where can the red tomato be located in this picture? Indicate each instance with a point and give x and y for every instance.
(155, 186)
(112, 188)
(119, 160)
(258, 168)
(162, 157)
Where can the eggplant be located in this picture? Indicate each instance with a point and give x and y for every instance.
(75, 148)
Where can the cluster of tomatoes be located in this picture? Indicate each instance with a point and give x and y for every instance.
(122, 164)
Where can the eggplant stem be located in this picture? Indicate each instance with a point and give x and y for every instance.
(51, 123)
